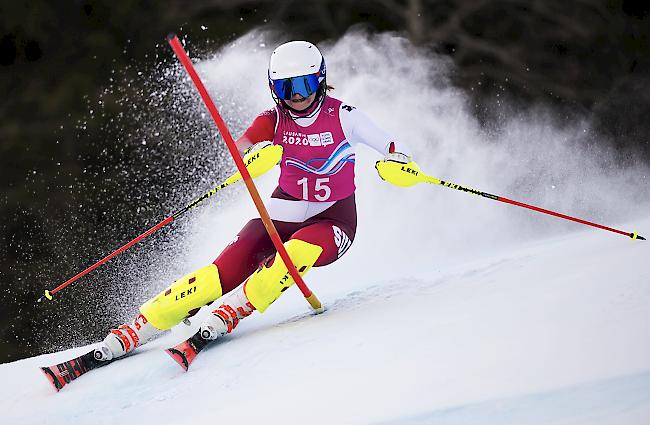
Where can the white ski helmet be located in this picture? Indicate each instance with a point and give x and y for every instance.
(296, 67)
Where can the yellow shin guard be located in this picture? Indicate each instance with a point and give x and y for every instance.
(268, 283)
(188, 293)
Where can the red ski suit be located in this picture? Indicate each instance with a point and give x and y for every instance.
(331, 225)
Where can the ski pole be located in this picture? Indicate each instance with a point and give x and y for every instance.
(252, 190)
(230, 180)
(415, 175)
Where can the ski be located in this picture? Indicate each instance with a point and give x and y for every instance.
(63, 373)
(185, 352)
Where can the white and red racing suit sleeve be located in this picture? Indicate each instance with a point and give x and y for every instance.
(262, 128)
(359, 128)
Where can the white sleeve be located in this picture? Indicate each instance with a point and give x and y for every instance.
(359, 128)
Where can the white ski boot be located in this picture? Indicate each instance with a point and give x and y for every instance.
(124, 339)
(234, 307)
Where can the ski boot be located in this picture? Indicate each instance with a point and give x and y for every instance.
(124, 339)
(222, 321)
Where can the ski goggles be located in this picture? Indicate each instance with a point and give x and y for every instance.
(305, 86)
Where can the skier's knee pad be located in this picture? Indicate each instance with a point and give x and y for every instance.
(270, 281)
(178, 301)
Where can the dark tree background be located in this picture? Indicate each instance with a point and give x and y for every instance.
(59, 159)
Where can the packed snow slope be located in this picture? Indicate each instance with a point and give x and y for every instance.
(551, 332)
(448, 308)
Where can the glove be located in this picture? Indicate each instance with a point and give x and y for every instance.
(399, 169)
(261, 157)
(397, 157)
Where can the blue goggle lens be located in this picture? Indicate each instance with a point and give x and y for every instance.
(305, 86)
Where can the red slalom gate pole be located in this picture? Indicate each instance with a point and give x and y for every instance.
(175, 43)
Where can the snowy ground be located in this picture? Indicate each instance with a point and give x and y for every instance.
(552, 332)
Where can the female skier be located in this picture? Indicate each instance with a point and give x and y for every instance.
(313, 207)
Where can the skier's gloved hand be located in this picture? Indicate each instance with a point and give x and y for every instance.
(397, 157)
(399, 169)
(261, 157)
